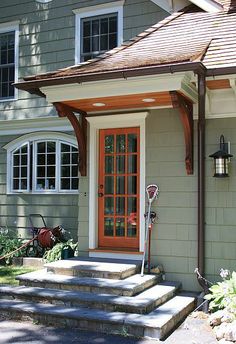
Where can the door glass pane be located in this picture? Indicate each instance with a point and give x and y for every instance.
(120, 205)
(109, 164)
(120, 164)
(132, 164)
(109, 185)
(109, 143)
(132, 143)
(132, 185)
(109, 206)
(132, 205)
(120, 143)
(120, 185)
(108, 226)
(131, 230)
(120, 227)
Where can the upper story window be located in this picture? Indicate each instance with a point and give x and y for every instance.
(8, 60)
(98, 29)
(40, 164)
(99, 34)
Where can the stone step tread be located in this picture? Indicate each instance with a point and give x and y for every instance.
(157, 319)
(143, 299)
(93, 266)
(128, 284)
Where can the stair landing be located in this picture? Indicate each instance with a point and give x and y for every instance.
(101, 295)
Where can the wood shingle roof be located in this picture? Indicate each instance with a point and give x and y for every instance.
(186, 36)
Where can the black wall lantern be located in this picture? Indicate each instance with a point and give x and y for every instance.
(221, 159)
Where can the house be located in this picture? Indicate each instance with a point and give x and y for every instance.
(149, 111)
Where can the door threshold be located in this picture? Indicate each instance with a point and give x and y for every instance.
(115, 253)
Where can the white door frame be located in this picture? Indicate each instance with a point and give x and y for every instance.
(106, 122)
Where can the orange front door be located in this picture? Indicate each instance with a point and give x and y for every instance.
(118, 189)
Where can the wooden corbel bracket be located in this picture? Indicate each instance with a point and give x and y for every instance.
(185, 108)
(80, 132)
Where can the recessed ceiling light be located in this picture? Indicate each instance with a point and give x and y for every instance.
(148, 100)
(43, 1)
(98, 104)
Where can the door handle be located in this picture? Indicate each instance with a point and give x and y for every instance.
(100, 194)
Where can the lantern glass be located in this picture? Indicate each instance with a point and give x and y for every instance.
(221, 167)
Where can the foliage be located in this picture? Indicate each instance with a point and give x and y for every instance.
(223, 294)
(8, 245)
(9, 273)
(55, 253)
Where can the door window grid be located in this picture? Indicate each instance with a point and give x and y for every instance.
(7, 64)
(118, 224)
(99, 34)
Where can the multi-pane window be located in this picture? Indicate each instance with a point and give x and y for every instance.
(7, 64)
(44, 166)
(99, 34)
(20, 165)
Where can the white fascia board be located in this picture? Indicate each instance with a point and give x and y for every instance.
(210, 6)
(171, 5)
(118, 87)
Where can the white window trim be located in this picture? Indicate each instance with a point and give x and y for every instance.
(92, 11)
(34, 138)
(105, 122)
(8, 27)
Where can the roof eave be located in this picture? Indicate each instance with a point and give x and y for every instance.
(34, 86)
(210, 6)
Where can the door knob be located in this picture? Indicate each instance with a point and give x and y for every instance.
(100, 194)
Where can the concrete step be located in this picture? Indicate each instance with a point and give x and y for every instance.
(130, 286)
(142, 303)
(93, 268)
(156, 324)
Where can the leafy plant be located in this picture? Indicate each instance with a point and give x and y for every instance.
(8, 245)
(55, 253)
(223, 294)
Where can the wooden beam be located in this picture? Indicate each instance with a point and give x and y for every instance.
(80, 132)
(185, 108)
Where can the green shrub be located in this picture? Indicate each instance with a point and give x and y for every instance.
(8, 245)
(55, 253)
(223, 294)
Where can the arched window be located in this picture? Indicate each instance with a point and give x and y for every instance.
(43, 163)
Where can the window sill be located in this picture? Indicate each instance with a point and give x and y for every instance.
(8, 100)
